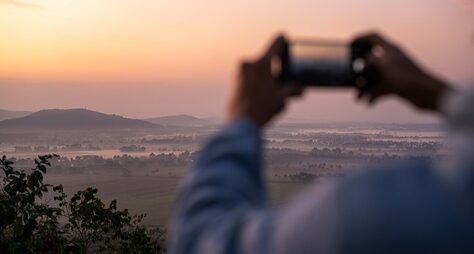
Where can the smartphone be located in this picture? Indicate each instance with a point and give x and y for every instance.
(321, 63)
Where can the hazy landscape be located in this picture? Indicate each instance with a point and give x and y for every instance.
(140, 162)
(106, 105)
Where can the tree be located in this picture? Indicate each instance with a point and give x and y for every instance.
(81, 224)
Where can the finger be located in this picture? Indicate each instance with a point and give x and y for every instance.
(373, 63)
(298, 92)
(276, 48)
(281, 107)
(360, 94)
(243, 69)
(365, 96)
(375, 95)
(373, 39)
(250, 67)
(291, 91)
(245, 66)
(372, 99)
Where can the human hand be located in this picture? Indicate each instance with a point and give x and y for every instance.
(258, 97)
(398, 74)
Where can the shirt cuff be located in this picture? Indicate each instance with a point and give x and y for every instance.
(458, 108)
(244, 125)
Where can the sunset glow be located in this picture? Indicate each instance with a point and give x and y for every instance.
(128, 44)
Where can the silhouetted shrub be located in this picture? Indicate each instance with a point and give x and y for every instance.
(80, 224)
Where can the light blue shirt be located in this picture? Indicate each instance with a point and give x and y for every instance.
(406, 208)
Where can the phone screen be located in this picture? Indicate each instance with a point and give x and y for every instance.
(320, 63)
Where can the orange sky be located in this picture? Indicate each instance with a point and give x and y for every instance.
(160, 49)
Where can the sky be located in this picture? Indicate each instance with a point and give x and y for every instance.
(147, 58)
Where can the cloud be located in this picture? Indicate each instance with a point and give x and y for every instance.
(18, 3)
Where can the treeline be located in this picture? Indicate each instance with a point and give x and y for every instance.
(356, 140)
(124, 164)
(307, 177)
(331, 159)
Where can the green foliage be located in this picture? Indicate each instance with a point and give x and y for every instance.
(81, 224)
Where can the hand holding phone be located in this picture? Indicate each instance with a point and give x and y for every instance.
(322, 64)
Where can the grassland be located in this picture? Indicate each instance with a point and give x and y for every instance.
(153, 195)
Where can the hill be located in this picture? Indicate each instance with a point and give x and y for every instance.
(10, 114)
(179, 120)
(73, 119)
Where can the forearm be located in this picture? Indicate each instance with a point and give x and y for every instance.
(223, 188)
(428, 93)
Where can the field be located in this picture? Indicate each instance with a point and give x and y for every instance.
(153, 195)
(143, 170)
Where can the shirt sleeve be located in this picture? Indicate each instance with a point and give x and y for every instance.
(223, 200)
(223, 208)
(458, 108)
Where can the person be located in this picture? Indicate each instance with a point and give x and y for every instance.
(414, 207)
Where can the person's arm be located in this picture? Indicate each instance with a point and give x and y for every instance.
(224, 188)
(222, 205)
(398, 74)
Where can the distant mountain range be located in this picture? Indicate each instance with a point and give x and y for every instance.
(73, 119)
(83, 119)
(10, 114)
(180, 120)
